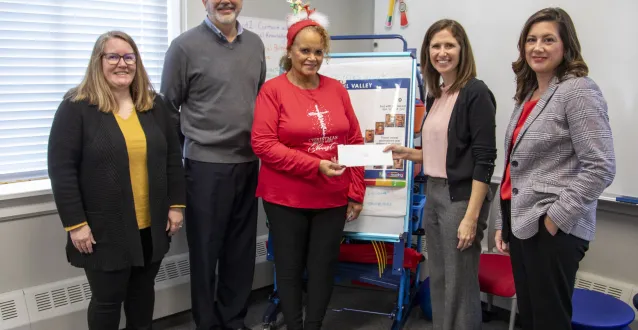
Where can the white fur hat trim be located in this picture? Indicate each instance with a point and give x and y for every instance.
(321, 19)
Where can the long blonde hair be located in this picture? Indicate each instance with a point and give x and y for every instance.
(95, 89)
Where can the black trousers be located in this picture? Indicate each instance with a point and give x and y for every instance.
(544, 268)
(305, 240)
(221, 227)
(135, 287)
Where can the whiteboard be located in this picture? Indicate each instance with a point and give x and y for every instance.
(385, 209)
(273, 34)
(606, 30)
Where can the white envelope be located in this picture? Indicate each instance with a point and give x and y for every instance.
(364, 155)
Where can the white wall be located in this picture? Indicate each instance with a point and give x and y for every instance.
(346, 17)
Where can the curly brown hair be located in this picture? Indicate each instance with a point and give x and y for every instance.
(467, 67)
(286, 63)
(573, 63)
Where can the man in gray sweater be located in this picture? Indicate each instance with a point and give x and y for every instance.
(212, 74)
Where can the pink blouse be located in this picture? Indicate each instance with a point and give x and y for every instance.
(434, 134)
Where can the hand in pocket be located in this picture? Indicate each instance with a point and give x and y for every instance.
(550, 225)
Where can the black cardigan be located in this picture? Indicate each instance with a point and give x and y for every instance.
(89, 172)
(471, 150)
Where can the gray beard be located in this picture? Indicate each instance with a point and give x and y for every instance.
(223, 19)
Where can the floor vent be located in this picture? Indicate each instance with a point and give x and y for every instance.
(8, 310)
(175, 270)
(262, 249)
(13, 311)
(86, 289)
(58, 298)
(619, 290)
(424, 246)
(184, 266)
(72, 295)
(43, 301)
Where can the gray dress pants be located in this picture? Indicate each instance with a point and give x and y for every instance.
(454, 286)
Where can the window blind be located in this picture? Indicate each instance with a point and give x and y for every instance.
(45, 47)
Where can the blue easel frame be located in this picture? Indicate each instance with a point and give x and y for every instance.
(397, 278)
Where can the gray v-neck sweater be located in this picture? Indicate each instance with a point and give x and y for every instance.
(212, 85)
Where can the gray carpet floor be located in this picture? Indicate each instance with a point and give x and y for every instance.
(336, 318)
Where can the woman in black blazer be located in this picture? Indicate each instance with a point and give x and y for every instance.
(458, 153)
(118, 182)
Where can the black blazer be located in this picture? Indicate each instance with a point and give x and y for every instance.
(471, 150)
(89, 172)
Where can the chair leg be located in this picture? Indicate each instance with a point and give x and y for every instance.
(513, 313)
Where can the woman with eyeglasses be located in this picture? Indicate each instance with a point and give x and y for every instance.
(116, 173)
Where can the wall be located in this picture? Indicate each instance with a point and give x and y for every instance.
(341, 14)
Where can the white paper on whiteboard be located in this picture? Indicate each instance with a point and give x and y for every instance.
(375, 225)
(385, 201)
(273, 35)
(364, 155)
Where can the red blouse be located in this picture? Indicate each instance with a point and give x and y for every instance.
(506, 184)
(293, 129)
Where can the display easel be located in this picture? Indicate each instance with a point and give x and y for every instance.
(397, 217)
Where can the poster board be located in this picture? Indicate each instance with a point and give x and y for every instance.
(382, 89)
(381, 108)
(273, 34)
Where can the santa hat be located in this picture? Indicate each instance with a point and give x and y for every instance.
(301, 18)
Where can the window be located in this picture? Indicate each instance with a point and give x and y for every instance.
(45, 47)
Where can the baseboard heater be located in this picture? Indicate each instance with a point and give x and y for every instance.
(20, 308)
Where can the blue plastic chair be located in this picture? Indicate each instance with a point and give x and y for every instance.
(595, 310)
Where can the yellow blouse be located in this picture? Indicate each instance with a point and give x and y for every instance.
(136, 148)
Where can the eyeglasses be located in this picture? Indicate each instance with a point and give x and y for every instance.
(113, 58)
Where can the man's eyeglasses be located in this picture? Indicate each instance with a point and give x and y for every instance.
(113, 58)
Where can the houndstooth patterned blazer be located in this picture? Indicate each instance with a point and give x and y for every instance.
(562, 159)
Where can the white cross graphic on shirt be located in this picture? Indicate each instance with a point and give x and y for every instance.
(319, 116)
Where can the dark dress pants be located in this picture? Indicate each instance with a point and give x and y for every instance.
(221, 227)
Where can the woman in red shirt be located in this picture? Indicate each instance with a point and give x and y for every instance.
(300, 118)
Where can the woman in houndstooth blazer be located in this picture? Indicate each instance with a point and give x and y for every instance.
(559, 159)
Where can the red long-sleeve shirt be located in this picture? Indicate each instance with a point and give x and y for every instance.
(293, 129)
